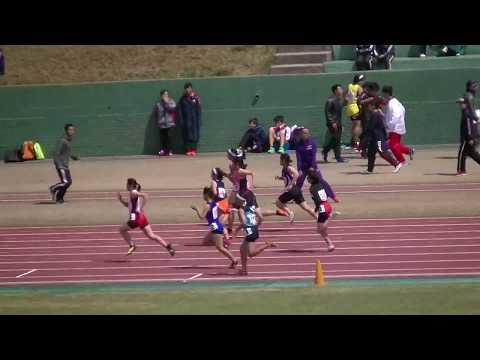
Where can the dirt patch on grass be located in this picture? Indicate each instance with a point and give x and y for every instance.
(42, 64)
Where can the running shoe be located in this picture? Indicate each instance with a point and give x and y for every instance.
(291, 215)
(411, 153)
(271, 150)
(131, 250)
(397, 168)
(162, 153)
(233, 265)
(170, 153)
(461, 174)
(331, 247)
(366, 172)
(52, 193)
(341, 160)
(171, 250)
(281, 150)
(59, 201)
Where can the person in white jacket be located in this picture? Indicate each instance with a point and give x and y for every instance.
(395, 125)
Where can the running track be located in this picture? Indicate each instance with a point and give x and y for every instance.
(368, 248)
(6, 198)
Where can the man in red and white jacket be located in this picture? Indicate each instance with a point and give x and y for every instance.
(395, 125)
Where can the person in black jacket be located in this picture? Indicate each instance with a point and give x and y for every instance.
(384, 54)
(255, 138)
(190, 112)
(364, 57)
(468, 136)
(377, 138)
(333, 114)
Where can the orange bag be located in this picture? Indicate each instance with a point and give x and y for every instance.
(28, 153)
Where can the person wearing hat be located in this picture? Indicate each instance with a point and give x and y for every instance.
(468, 130)
(190, 112)
(353, 111)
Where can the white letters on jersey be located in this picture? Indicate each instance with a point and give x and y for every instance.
(322, 195)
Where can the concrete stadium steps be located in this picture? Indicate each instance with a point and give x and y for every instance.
(300, 59)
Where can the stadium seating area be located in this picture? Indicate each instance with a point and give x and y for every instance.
(407, 57)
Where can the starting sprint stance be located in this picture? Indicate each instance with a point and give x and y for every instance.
(212, 213)
(322, 207)
(137, 219)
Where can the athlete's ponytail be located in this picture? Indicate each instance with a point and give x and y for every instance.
(131, 182)
(218, 173)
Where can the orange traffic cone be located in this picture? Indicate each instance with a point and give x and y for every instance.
(319, 278)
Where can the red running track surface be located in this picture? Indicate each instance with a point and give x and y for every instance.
(366, 249)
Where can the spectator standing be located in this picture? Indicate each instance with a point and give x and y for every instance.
(61, 158)
(2, 63)
(333, 115)
(353, 92)
(469, 126)
(190, 112)
(377, 138)
(165, 116)
(254, 139)
(395, 124)
(306, 153)
(368, 95)
(279, 136)
(384, 54)
(364, 57)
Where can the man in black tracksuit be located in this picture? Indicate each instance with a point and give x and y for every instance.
(61, 159)
(333, 114)
(364, 57)
(468, 128)
(384, 54)
(377, 138)
(369, 94)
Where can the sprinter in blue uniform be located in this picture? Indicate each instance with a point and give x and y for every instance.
(211, 212)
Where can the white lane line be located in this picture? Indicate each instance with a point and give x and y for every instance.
(243, 278)
(258, 195)
(122, 246)
(193, 277)
(273, 188)
(327, 265)
(272, 272)
(336, 255)
(262, 230)
(28, 272)
(432, 218)
(145, 242)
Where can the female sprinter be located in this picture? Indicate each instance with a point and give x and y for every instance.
(218, 188)
(248, 214)
(238, 176)
(211, 212)
(137, 219)
(291, 191)
(322, 207)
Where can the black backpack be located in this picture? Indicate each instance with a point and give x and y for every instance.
(13, 156)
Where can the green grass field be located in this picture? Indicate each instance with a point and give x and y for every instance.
(453, 297)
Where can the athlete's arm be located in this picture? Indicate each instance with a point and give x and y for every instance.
(203, 213)
(247, 173)
(294, 173)
(124, 203)
(214, 188)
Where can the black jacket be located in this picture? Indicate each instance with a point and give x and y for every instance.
(468, 130)
(190, 113)
(333, 110)
(376, 127)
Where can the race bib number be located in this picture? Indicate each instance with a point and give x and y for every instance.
(214, 226)
(322, 195)
(251, 219)
(321, 209)
(221, 193)
(133, 217)
(249, 231)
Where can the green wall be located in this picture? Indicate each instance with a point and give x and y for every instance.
(113, 118)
